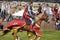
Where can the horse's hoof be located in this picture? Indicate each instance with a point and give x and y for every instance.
(21, 30)
(29, 35)
(17, 38)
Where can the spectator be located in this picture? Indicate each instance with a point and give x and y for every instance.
(43, 7)
(59, 9)
(54, 10)
(2, 8)
(3, 11)
(8, 8)
(49, 11)
(1, 23)
(58, 21)
(39, 8)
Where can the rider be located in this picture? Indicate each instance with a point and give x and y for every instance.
(29, 14)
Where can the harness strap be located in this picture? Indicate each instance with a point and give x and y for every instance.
(37, 25)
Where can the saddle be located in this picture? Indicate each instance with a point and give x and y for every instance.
(15, 22)
(28, 22)
(18, 22)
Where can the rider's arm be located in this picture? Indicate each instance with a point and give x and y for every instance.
(25, 14)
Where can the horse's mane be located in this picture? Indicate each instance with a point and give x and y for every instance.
(37, 17)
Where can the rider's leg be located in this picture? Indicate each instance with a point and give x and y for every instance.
(32, 23)
(36, 29)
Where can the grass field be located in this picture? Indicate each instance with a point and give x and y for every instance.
(46, 35)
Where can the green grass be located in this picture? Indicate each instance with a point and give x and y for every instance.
(46, 35)
(50, 35)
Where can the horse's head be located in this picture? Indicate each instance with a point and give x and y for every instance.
(41, 17)
(45, 17)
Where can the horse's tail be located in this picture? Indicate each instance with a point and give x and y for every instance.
(4, 33)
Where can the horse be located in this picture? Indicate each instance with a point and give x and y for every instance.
(17, 24)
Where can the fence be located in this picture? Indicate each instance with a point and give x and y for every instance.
(48, 26)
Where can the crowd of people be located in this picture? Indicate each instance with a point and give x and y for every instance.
(9, 8)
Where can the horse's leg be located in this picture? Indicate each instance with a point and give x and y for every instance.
(38, 35)
(31, 36)
(35, 37)
(38, 38)
(15, 35)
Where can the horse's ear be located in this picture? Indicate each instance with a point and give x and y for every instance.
(43, 12)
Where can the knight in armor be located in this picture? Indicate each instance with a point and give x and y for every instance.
(29, 14)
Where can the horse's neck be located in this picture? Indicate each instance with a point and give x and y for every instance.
(38, 23)
(38, 17)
